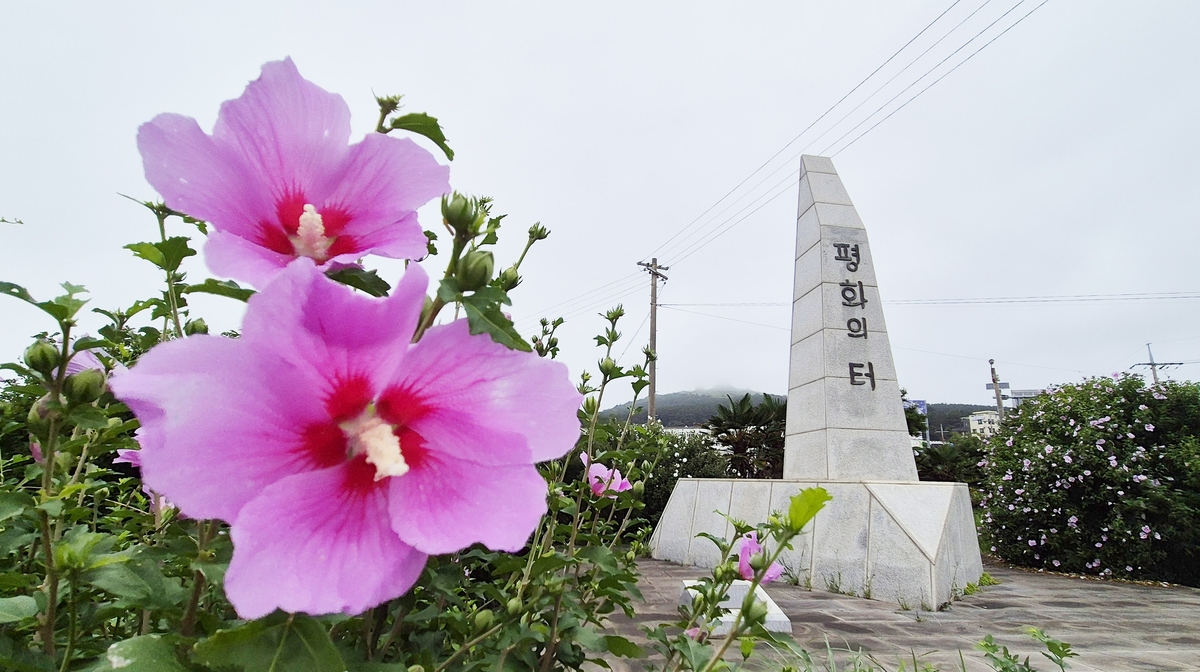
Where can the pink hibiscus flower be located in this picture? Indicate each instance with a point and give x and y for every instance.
(750, 547)
(341, 454)
(605, 481)
(278, 180)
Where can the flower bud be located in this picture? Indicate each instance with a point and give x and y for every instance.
(608, 366)
(84, 387)
(758, 561)
(196, 326)
(462, 214)
(483, 619)
(513, 605)
(757, 611)
(538, 232)
(639, 488)
(41, 413)
(42, 356)
(474, 270)
(416, 668)
(509, 279)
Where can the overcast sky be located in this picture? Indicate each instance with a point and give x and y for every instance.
(1060, 160)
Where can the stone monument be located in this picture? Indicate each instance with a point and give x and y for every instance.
(885, 535)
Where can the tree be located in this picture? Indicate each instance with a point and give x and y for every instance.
(917, 423)
(753, 435)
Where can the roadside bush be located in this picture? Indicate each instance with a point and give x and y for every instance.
(685, 455)
(1099, 477)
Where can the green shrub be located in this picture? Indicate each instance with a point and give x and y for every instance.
(686, 455)
(954, 460)
(1099, 477)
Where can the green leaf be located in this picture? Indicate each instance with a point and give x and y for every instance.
(61, 308)
(220, 288)
(623, 647)
(15, 656)
(148, 252)
(484, 317)
(148, 653)
(17, 292)
(13, 609)
(361, 278)
(136, 579)
(87, 416)
(88, 342)
(279, 641)
(13, 504)
(805, 505)
(423, 124)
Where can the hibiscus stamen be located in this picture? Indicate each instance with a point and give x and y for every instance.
(310, 240)
(370, 436)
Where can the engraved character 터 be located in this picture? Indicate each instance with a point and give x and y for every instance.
(856, 372)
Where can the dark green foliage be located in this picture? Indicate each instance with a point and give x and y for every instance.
(957, 460)
(752, 434)
(917, 423)
(1100, 477)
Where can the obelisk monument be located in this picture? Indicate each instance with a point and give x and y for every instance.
(885, 535)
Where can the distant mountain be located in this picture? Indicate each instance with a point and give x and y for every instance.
(684, 409)
(694, 408)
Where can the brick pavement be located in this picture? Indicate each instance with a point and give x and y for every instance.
(1115, 627)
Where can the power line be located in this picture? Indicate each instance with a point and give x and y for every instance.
(931, 85)
(722, 317)
(711, 236)
(798, 136)
(1064, 298)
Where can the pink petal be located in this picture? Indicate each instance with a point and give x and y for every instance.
(200, 177)
(82, 361)
(502, 390)
(319, 543)
(286, 129)
(773, 572)
(380, 185)
(332, 332)
(219, 422)
(444, 504)
(231, 256)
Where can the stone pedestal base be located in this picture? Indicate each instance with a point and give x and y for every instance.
(913, 543)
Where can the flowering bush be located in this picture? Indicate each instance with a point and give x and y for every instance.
(1099, 477)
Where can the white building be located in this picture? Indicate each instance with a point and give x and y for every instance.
(984, 423)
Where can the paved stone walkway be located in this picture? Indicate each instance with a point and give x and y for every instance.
(1115, 627)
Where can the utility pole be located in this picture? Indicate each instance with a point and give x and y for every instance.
(655, 273)
(996, 387)
(1154, 366)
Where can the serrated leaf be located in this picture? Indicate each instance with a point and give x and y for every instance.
(13, 609)
(227, 288)
(361, 278)
(148, 653)
(88, 343)
(288, 642)
(805, 505)
(61, 308)
(487, 319)
(148, 252)
(423, 124)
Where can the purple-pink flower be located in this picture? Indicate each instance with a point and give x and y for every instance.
(605, 481)
(750, 547)
(340, 453)
(278, 180)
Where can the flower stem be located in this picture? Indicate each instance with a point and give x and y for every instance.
(463, 649)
